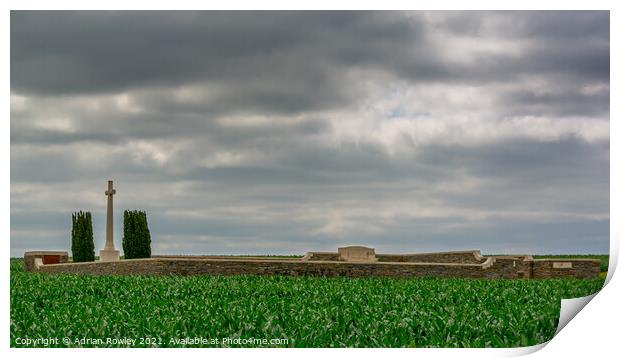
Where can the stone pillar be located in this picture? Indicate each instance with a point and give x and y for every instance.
(109, 253)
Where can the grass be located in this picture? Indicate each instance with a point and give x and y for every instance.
(306, 311)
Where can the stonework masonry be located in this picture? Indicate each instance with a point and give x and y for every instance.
(164, 266)
(45, 257)
(577, 268)
(493, 267)
(463, 257)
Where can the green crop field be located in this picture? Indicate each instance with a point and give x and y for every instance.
(302, 311)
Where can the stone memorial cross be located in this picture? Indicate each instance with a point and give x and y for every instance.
(109, 253)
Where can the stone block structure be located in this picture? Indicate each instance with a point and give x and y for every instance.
(356, 254)
(44, 258)
(355, 261)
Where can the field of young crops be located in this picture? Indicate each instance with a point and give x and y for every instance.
(303, 311)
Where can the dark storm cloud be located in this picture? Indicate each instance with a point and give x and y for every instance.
(77, 52)
(281, 132)
(290, 58)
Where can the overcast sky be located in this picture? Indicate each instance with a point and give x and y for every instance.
(284, 132)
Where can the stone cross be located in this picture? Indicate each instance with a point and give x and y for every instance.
(109, 253)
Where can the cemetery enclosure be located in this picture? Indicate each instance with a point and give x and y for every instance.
(308, 311)
(350, 261)
(358, 262)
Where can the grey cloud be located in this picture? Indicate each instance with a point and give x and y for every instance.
(563, 104)
(70, 52)
(76, 52)
(264, 132)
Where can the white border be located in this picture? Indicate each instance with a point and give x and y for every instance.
(590, 332)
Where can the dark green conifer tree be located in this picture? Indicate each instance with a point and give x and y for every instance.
(136, 235)
(82, 242)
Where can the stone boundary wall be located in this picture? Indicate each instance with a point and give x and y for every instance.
(160, 266)
(223, 257)
(511, 267)
(585, 268)
(492, 268)
(466, 257)
(461, 257)
(322, 256)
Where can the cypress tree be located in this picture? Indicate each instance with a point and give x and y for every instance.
(82, 243)
(136, 235)
(89, 242)
(146, 236)
(126, 234)
(74, 242)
